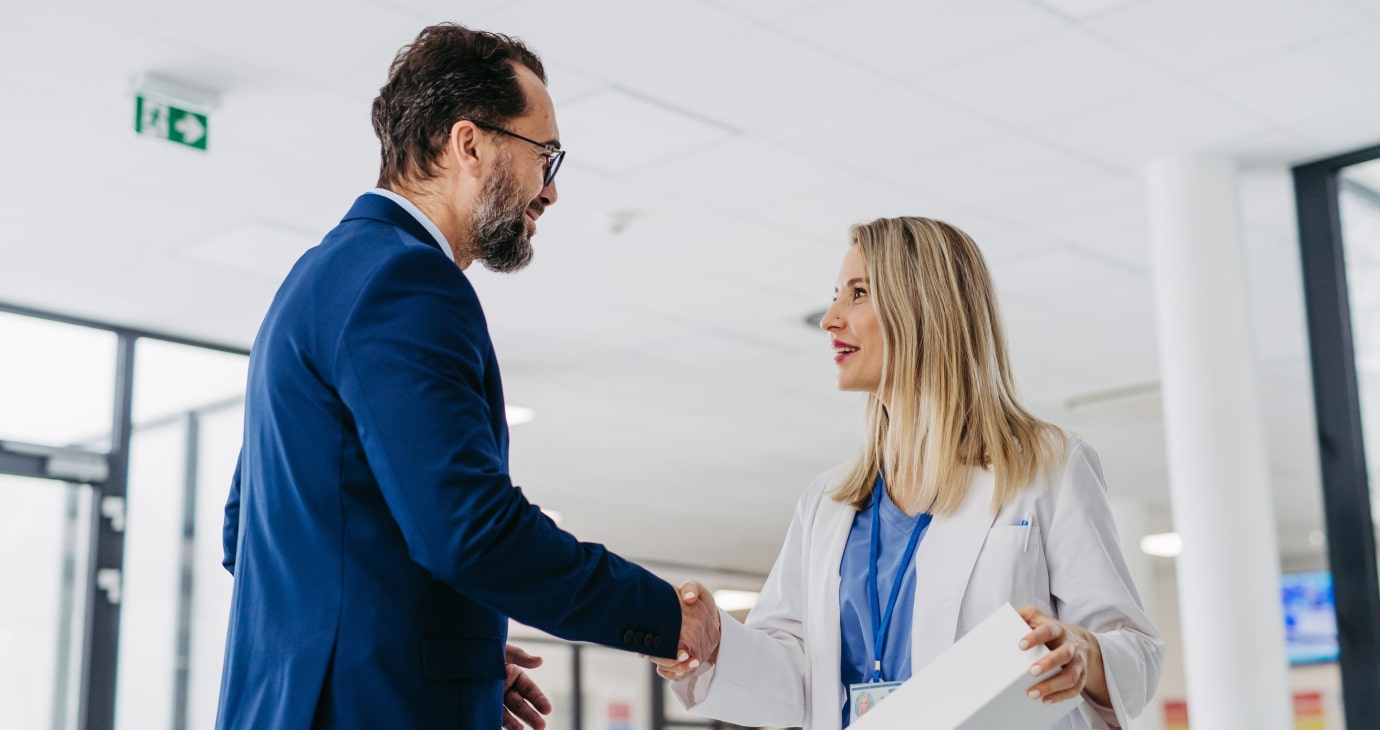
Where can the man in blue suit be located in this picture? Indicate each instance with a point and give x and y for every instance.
(377, 543)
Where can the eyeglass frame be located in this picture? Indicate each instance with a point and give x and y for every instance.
(554, 154)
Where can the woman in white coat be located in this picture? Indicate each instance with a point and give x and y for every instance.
(958, 490)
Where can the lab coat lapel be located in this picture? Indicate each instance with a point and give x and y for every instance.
(943, 564)
(833, 522)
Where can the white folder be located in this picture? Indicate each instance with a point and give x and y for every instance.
(979, 683)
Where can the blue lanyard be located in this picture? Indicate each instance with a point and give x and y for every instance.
(882, 620)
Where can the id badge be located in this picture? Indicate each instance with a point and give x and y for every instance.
(863, 697)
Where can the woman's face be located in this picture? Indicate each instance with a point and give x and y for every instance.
(851, 324)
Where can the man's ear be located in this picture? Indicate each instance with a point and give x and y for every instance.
(462, 148)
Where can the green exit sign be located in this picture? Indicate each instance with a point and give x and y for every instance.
(156, 118)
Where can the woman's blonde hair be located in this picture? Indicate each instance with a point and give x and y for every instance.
(947, 402)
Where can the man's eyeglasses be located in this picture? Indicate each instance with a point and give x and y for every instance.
(554, 154)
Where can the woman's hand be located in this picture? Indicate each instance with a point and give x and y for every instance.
(1073, 650)
(684, 665)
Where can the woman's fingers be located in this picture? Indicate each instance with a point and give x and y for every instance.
(1066, 684)
(1048, 633)
(668, 673)
(1059, 657)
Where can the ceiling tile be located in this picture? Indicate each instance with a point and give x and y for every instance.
(1057, 272)
(1194, 38)
(260, 249)
(902, 39)
(886, 134)
(317, 41)
(739, 174)
(987, 173)
(1081, 8)
(436, 11)
(768, 11)
(1108, 220)
(1335, 134)
(109, 58)
(789, 79)
(613, 131)
(1130, 134)
(1335, 76)
(1055, 74)
(825, 211)
(608, 38)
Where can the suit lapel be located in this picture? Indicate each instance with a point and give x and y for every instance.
(943, 564)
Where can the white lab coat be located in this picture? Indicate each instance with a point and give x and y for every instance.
(782, 667)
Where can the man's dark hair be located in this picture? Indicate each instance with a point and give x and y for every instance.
(449, 73)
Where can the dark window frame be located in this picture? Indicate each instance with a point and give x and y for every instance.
(1341, 445)
(101, 634)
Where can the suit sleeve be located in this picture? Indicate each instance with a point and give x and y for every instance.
(230, 535)
(760, 676)
(410, 367)
(1092, 587)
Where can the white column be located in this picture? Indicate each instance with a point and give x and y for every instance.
(1131, 526)
(1233, 627)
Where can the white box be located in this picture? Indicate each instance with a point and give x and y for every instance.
(979, 683)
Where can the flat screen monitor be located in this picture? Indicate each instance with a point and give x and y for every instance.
(1310, 617)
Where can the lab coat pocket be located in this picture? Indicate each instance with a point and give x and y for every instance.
(1007, 568)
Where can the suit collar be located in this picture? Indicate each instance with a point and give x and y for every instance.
(370, 206)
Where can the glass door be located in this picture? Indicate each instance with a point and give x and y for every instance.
(44, 548)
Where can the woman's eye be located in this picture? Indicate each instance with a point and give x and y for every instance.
(859, 292)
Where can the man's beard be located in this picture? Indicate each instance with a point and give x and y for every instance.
(499, 233)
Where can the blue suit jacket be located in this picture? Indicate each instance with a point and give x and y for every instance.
(377, 544)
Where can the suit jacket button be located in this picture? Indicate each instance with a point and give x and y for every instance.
(649, 641)
(656, 643)
(628, 636)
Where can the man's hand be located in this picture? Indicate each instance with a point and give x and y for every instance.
(699, 633)
(523, 700)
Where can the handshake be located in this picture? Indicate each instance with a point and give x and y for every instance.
(699, 634)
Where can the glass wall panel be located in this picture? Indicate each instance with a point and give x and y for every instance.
(57, 382)
(43, 562)
(554, 677)
(220, 432)
(617, 690)
(188, 417)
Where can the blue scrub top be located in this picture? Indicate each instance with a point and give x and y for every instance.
(855, 614)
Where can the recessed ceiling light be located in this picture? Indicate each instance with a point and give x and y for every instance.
(518, 415)
(731, 600)
(1162, 545)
